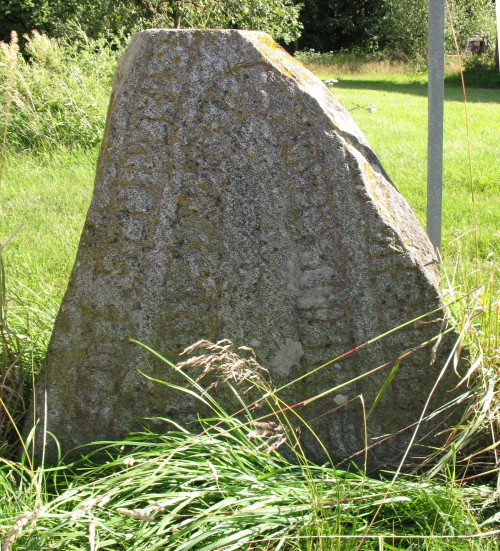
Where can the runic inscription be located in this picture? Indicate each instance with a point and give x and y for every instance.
(235, 198)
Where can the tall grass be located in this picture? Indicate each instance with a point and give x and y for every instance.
(58, 90)
(474, 445)
(348, 63)
(9, 53)
(25, 326)
(479, 70)
(228, 487)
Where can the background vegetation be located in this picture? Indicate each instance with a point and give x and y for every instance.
(112, 18)
(388, 27)
(394, 28)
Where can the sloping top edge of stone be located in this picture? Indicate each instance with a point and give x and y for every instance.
(355, 141)
(294, 69)
(324, 101)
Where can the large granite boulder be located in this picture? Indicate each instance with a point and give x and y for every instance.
(236, 198)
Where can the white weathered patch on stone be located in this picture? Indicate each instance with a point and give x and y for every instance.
(287, 357)
(340, 399)
(236, 198)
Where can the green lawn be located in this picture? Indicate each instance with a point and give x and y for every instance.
(49, 195)
(45, 200)
(397, 130)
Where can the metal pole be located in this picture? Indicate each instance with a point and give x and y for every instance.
(435, 59)
(497, 6)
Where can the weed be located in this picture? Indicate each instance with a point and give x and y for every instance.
(9, 53)
(473, 446)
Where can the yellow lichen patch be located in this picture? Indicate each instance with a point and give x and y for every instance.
(281, 59)
(182, 200)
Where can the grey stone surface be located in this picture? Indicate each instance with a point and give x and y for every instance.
(235, 198)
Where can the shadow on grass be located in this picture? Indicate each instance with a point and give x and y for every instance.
(453, 88)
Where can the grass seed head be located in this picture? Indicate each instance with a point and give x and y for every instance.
(27, 518)
(225, 364)
(14, 49)
(136, 514)
(272, 435)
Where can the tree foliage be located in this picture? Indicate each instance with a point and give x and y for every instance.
(471, 17)
(405, 27)
(22, 16)
(341, 24)
(396, 26)
(111, 17)
(406, 24)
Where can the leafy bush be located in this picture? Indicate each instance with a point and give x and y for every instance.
(470, 17)
(338, 24)
(395, 27)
